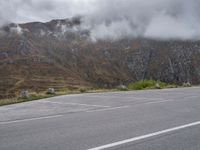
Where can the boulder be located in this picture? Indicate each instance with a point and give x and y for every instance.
(157, 86)
(122, 87)
(51, 91)
(187, 84)
(24, 94)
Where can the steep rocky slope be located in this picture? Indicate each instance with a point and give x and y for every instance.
(60, 54)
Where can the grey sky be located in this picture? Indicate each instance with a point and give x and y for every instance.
(113, 19)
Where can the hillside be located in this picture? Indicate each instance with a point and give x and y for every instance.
(60, 54)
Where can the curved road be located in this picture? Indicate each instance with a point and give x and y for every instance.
(139, 120)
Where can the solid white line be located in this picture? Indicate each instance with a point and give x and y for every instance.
(31, 119)
(107, 109)
(145, 136)
(74, 104)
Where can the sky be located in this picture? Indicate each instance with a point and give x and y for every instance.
(113, 19)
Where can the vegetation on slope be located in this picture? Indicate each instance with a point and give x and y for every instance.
(42, 95)
(149, 84)
(139, 85)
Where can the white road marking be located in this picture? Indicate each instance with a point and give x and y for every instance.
(156, 102)
(74, 104)
(164, 101)
(56, 116)
(145, 136)
(194, 96)
(170, 100)
(103, 96)
(106, 109)
(31, 119)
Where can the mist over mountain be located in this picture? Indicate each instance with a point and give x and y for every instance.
(114, 19)
(98, 43)
(61, 54)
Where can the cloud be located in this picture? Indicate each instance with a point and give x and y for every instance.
(114, 19)
(162, 19)
(166, 27)
(21, 11)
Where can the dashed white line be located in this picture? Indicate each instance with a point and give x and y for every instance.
(107, 109)
(57, 116)
(104, 108)
(194, 96)
(74, 104)
(145, 136)
(157, 102)
(31, 119)
(170, 100)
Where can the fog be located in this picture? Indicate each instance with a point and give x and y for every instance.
(113, 19)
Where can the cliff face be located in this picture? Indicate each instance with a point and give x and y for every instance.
(60, 54)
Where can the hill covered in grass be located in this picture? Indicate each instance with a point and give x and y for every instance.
(61, 54)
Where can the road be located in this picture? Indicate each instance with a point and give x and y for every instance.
(140, 120)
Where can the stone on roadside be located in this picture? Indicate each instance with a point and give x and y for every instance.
(51, 91)
(24, 94)
(187, 84)
(157, 86)
(122, 87)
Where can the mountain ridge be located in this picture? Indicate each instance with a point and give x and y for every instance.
(60, 54)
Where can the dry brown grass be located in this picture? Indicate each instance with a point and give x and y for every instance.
(42, 95)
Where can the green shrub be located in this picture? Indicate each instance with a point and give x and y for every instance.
(147, 84)
(83, 90)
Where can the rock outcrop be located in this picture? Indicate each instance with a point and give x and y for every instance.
(60, 54)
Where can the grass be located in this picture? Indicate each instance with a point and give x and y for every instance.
(21, 100)
(42, 95)
(149, 84)
(140, 85)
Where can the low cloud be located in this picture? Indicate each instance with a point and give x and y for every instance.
(113, 19)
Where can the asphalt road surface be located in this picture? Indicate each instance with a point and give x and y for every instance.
(139, 120)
